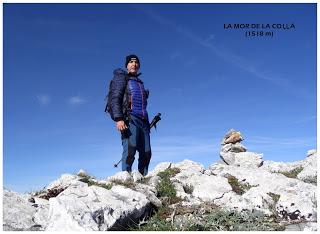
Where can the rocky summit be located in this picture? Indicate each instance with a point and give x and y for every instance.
(241, 192)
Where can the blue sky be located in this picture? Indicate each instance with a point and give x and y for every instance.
(204, 79)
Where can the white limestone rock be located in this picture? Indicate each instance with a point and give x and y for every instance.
(204, 187)
(41, 202)
(272, 166)
(191, 202)
(153, 181)
(233, 201)
(290, 190)
(242, 159)
(292, 205)
(160, 167)
(207, 172)
(184, 175)
(180, 191)
(217, 168)
(64, 181)
(184, 165)
(150, 192)
(228, 157)
(311, 152)
(18, 212)
(235, 148)
(41, 217)
(189, 165)
(82, 173)
(248, 159)
(309, 172)
(208, 188)
(122, 176)
(310, 226)
(259, 200)
(136, 176)
(221, 162)
(103, 182)
(253, 199)
(83, 208)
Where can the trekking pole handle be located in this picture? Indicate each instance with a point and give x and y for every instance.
(155, 120)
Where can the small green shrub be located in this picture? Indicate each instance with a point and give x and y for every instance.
(219, 220)
(314, 200)
(37, 193)
(89, 181)
(168, 173)
(106, 186)
(127, 184)
(291, 174)
(223, 220)
(82, 174)
(165, 187)
(237, 187)
(188, 188)
(311, 180)
(154, 224)
(157, 222)
(194, 227)
(144, 180)
(272, 206)
(275, 197)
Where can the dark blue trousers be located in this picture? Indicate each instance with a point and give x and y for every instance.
(136, 138)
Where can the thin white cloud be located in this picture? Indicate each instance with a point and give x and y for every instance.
(43, 99)
(281, 143)
(227, 55)
(306, 119)
(175, 55)
(190, 63)
(210, 38)
(183, 146)
(77, 100)
(186, 62)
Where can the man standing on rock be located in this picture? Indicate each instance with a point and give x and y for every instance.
(127, 105)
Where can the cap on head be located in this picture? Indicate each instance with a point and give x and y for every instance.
(132, 57)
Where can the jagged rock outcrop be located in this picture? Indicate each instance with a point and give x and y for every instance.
(245, 183)
(20, 214)
(84, 208)
(291, 197)
(307, 168)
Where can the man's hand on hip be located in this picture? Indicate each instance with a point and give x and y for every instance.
(121, 125)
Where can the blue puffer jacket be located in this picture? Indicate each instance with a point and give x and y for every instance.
(130, 98)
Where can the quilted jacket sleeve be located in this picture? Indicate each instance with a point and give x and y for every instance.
(118, 89)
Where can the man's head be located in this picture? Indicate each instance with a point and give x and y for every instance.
(132, 63)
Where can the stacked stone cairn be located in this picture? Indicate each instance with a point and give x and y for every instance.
(234, 153)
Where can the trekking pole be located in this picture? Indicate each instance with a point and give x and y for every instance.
(116, 164)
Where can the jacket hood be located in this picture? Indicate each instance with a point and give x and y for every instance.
(119, 71)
